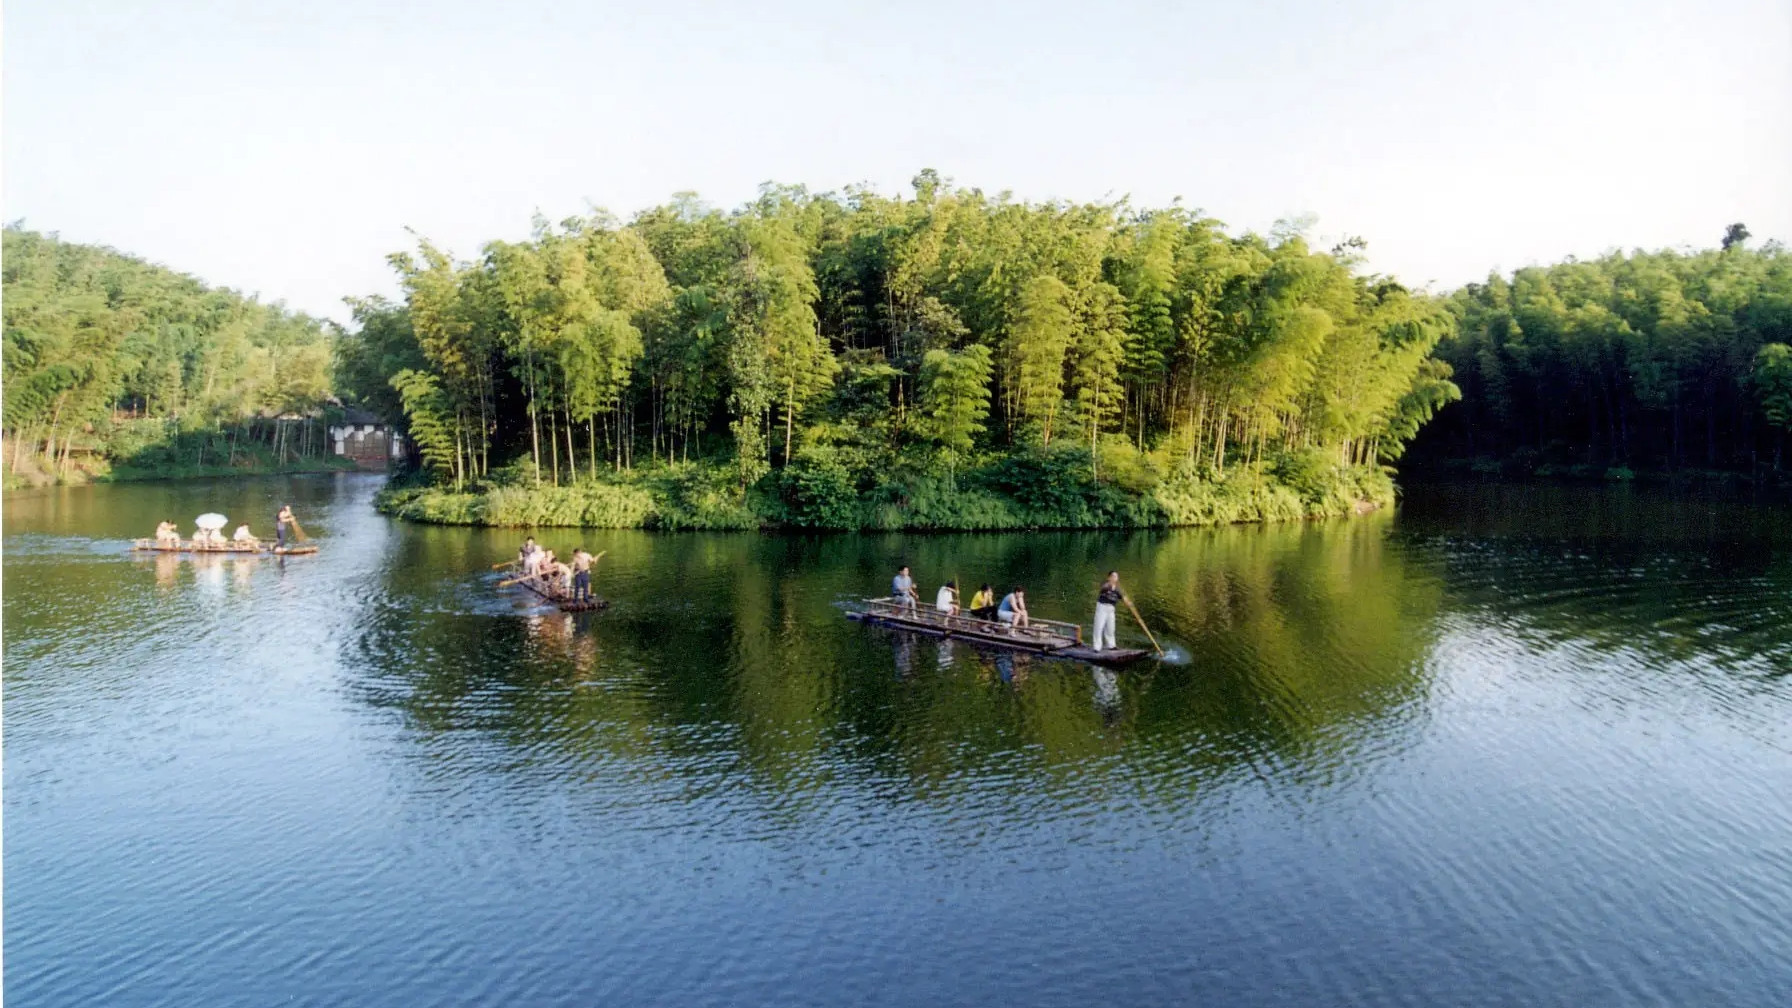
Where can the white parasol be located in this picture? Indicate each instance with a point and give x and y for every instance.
(210, 520)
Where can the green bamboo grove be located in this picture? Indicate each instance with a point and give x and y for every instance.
(110, 360)
(1646, 361)
(828, 360)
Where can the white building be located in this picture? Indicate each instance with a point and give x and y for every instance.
(367, 439)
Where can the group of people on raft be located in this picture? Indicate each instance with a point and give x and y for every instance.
(168, 534)
(570, 578)
(1012, 609)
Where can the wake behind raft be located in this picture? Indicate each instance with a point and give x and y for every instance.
(1044, 637)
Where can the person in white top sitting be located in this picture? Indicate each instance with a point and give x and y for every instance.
(243, 535)
(947, 600)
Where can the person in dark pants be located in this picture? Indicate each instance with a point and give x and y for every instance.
(581, 575)
(983, 604)
(281, 520)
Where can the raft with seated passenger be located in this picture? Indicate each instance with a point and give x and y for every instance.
(1044, 637)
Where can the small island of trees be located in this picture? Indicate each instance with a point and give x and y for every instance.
(951, 360)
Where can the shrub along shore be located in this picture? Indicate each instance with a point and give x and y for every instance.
(1032, 489)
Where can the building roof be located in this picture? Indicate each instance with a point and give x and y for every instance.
(357, 416)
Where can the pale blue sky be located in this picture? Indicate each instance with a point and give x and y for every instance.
(282, 148)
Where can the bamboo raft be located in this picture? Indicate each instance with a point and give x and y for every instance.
(563, 600)
(228, 547)
(1044, 637)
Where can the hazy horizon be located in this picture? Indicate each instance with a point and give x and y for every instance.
(284, 153)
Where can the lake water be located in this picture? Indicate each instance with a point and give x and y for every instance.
(1505, 746)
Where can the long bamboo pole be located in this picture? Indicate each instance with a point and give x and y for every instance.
(1142, 626)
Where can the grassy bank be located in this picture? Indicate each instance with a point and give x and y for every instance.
(1036, 489)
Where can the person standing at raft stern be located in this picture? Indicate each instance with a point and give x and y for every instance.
(903, 587)
(1106, 599)
(281, 520)
(581, 575)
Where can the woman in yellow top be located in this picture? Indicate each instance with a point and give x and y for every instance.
(983, 604)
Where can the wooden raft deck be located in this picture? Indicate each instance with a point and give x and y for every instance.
(564, 601)
(1043, 637)
(224, 548)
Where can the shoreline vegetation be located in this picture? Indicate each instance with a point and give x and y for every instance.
(108, 455)
(1032, 490)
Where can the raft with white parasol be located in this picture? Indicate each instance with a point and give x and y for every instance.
(211, 522)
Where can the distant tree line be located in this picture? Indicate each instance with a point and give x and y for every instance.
(877, 336)
(107, 352)
(1649, 360)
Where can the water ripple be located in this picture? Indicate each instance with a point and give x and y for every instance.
(1405, 764)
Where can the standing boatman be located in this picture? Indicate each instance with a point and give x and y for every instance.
(581, 575)
(282, 519)
(1106, 598)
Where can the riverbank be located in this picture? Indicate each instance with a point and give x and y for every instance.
(1013, 493)
(1526, 467)
(102, 471)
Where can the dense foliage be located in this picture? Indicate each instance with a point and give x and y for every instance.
(1651, 360)
(148, 368)
(951, 360)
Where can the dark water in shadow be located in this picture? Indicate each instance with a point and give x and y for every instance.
(1509, 746)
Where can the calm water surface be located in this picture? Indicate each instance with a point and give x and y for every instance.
(1508, 746)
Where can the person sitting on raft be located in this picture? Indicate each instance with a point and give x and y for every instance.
(167, 534)
(523, 555)
(1013, 610)
(983, 604)
(553, 574)
(947, 599)
(243, 535)
(903, 587)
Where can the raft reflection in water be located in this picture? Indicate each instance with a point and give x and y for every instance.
(743, 636)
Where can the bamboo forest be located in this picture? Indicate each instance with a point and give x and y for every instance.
(953, 360)
(116, 367)
(948, 359)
